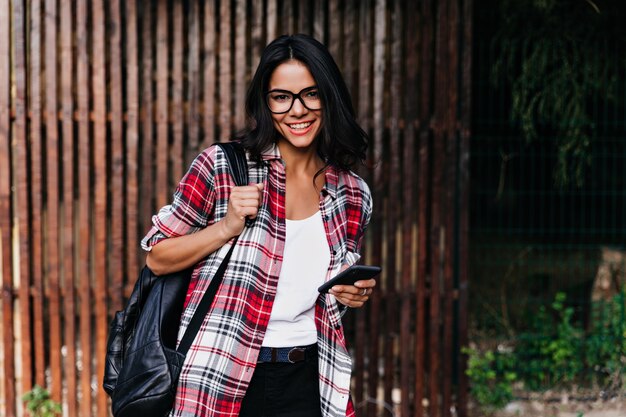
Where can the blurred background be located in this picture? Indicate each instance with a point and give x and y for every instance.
(548, 193)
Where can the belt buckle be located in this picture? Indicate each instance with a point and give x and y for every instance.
(296, 355)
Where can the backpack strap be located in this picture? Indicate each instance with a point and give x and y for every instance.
(236, 156)
(238, 164)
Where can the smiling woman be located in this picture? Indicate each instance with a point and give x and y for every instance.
(275, 344)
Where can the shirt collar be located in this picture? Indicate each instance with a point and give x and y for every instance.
(271, 153)
(332, 180)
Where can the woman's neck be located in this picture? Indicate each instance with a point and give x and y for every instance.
(300, 161)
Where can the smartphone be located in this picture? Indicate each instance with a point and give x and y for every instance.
(351, 275)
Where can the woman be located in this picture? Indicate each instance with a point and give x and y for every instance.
(272, 345)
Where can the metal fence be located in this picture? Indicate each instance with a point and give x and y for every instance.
(532, 239)
(104, 103)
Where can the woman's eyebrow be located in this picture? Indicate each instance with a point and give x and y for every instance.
(273, 90)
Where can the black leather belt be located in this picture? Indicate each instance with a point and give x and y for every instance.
(287, 354)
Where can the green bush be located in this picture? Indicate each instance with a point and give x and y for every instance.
(39, 403)
(551, 352)
(555, 353)
(492, 377)
(605, 345)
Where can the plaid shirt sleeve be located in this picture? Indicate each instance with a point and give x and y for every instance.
(192, 204)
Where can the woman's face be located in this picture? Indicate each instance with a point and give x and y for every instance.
(299, 125)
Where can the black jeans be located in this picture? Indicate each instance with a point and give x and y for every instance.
(283, 390)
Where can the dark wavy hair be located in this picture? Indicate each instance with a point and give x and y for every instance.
(341, 141)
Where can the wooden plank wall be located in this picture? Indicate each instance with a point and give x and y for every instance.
(103, 104)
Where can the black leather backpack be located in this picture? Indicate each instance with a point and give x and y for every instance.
(142, 362)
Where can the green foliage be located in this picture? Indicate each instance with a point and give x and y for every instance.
(39, 403)
(552, 350)
(553, 55)
(605, 351)
(554, 353)
(492, 377)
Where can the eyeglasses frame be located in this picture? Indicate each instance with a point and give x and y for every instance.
(294, 96)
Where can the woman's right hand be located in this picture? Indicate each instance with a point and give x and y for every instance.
(177, 253)
(244, 202)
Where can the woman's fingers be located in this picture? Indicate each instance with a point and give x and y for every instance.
(354, 295)
(246, 200)
(243, 202)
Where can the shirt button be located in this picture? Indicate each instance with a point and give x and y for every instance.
(267, 298)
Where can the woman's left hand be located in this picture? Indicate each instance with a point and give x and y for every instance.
(354, 295)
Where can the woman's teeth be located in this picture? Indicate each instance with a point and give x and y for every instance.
(300, 125)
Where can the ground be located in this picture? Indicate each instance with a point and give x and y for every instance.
(610, 408)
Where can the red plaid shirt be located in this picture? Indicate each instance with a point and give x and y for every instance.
(222, 358)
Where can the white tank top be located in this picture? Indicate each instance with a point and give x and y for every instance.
(305, 261)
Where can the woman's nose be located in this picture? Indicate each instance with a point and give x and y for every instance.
(298, 106)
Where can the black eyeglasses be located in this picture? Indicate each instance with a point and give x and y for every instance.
(281, 101)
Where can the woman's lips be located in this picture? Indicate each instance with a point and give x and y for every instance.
(300, 128)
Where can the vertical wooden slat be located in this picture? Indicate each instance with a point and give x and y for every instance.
(334, 31)
(286, 21)
(393, 216)
(271, 28)
(447, 351)
(193, 82)
(436, 264)
(319, 21)
(256, 35)
(349, 34)
(132, 141)
(68, 229)
(424, 203)
(36, 189)
(464, 170)
(451, 50)
(411, 67)
(241, 66)
(100, 271)
(408, 340)
(6, 265)
(378, 85)
(51, 254)
(162, 99)
(225, 76)
(147, 114)
(84, 194)
(22, 187)
(304, 17)
(115, 93)
(177, 119)
(365, 66)
(210, 76)
(438, 232)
